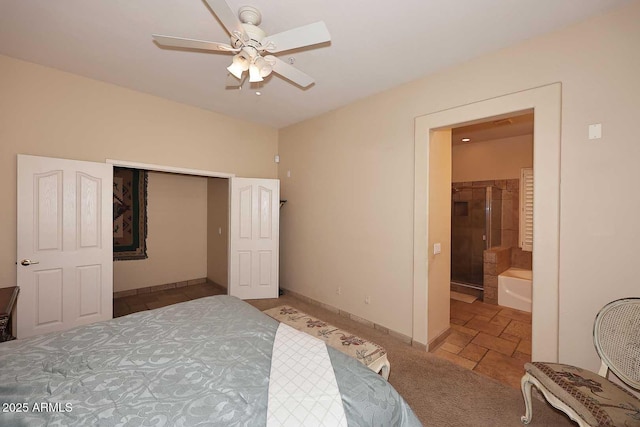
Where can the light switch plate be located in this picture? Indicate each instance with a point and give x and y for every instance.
(595, 131)
(437, 248)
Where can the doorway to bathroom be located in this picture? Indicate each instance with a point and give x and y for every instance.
(432, 231)
(489, 333)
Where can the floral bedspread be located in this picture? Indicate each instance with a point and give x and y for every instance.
(202, 362)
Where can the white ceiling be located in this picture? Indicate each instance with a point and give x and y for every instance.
(375, 45)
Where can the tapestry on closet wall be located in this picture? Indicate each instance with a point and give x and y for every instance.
(129, 214)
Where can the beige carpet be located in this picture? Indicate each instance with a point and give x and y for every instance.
(441, 394)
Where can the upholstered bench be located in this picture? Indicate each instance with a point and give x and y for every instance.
(368, 353)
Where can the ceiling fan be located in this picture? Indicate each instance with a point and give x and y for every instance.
(250, 44)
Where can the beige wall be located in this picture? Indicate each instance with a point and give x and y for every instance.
(218, 230)
(439, 274)
(490, 160)
(46, 112)
(350, 209)
(176, 234)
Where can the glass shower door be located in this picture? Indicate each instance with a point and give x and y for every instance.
(475, 226)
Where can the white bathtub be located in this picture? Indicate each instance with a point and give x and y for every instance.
(514, 289)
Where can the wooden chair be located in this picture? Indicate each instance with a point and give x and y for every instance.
(588, 398)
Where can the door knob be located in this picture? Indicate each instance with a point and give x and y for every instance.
(26, 262)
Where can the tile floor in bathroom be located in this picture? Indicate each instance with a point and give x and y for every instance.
(489, 339)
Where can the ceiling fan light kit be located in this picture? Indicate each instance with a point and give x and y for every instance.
(263, 66)
(254, 74)
(240, 64)
(249, 42)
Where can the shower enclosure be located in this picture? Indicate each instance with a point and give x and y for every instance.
(476, 216)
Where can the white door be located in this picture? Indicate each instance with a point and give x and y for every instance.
(254, 230)
(65, 244)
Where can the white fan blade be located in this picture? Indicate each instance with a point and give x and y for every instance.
(298, 37)
(289, 72)
(233, 83)
(191, 43)
(228, 18)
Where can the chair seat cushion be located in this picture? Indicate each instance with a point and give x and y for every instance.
(597, 400)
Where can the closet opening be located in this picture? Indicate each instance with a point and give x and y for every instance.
(187, 247)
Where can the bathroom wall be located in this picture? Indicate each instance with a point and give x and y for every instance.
(492, 159)
(496, 260)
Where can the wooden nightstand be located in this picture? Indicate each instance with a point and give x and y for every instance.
(7, 300)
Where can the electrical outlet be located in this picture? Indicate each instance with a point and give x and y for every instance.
(367, 299)
(339, 290)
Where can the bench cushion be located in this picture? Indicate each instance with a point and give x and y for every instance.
(368, 353)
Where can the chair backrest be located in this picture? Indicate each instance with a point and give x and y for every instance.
(616, 335)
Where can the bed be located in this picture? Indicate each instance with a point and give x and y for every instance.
(202, 362)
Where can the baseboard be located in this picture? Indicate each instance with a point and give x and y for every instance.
(216, 284)
(404, 338)
(434, 343)
(156, 288)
